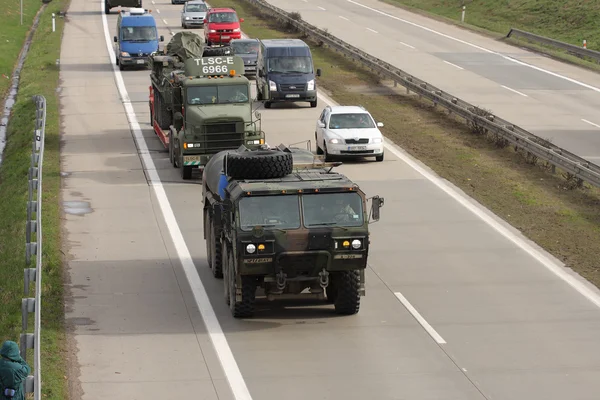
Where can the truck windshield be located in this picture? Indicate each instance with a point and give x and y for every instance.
(351, 121)
(138, 33)
(342, 209)
(225, 94)
(270, 212)
(287, 65)
(226, 17)
(195, 7)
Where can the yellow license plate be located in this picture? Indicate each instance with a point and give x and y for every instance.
(191, 158)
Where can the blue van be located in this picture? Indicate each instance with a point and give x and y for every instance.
(137, 38)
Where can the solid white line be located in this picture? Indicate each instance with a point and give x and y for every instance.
(591, 123)
(153, 2)
(165, 21)
(480, 48)
(436, 336)
(213, 328)
(454, 65)
(478, 210)
(321, 8)
(343, 18)
(158, 11)
(515, 91)
(374, 31)
(407, 45)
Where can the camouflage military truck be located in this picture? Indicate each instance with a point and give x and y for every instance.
(200, 102)
(280, 220)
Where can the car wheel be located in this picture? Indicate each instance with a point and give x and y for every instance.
(319, 149)
(379, 158)
(327, 156)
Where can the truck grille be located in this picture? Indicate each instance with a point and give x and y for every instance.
(302, 264)
(291, 87)
(359, 141)
(222, 137)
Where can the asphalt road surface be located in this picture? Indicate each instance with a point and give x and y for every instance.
(550, 99)
(459, 306)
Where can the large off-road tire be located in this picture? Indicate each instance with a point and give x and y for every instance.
(346, 292)
(226, 257)
(208, 240)
(186, 172)
(244, 308)
(215, 252)
(259, 164)
(106, 8)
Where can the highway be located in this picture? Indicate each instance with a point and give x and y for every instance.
(459, 305)
(550, 99)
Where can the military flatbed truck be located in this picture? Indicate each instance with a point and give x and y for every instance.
(280, 220)
(200, 102)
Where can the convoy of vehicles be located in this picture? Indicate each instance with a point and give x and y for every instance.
(281, 220)
(193, 14)
(285, 72)
(200, 103)
(136, 39)
(221, 25)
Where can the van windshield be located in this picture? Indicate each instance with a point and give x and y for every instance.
(226, 17)
(290, 64)
(225, 94)
(138, 33)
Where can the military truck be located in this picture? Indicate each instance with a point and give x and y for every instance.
(200, 102)
(278, 219)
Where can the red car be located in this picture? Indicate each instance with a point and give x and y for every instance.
(221, 25)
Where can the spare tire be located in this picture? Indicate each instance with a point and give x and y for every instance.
(259, 164)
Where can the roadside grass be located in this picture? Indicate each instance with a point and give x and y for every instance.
(39, 76)
(549, 209)
(12, 36)
(569, 21)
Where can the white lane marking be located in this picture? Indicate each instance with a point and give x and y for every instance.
(514, 91)
(454, 65)
(153, 2)
(321, 8)
(407, 45)
(374, 31)
(590, 122)
(213, 328)
(158, 11)
(165, 21)
(480, 48)
(432, 332)
(343, 18)
(582, 288)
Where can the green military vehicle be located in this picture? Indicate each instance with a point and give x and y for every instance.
(200, 102)
(280, 220)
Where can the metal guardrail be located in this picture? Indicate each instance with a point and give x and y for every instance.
(571, 48)
(33, 250)
(519, 137)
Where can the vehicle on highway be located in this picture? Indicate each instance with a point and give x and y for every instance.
(200, 102)
(247, 49)
(178, 1)
(108, 4)
(137, 38)
(279, 219)
(285, 72)
(193, 14)
(348, 131)
(221, 25)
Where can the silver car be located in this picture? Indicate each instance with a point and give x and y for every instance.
(193, 14)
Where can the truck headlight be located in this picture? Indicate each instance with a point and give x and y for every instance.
(356, 244)
(257, 141)
(251, 248)
(310, 85)
(192, 145)
(125, 54)
(272, 86)
(377, 140)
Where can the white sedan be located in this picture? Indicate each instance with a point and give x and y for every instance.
(348, 131)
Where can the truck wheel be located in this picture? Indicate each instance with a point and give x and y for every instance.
(186, 172)
(346, 292)
(259, 164)
(226, 257)
(208, 230)
(215, 252)
(106, 8)
(267, 104)
(244, 308)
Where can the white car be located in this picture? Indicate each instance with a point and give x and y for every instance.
(348, 131)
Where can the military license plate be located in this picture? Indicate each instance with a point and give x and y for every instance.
(250, 68)
(140, 61)
(191, 158)
(357, 147)
(292, 95)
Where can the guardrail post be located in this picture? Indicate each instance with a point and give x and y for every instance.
(29, 384)
(29, 276)
(53, 22)
(584, 44)
(462, 17)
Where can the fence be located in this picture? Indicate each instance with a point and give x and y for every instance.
(570, 48)
(33, 251)
(517, 136)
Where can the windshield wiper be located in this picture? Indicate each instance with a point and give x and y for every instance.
(328, 224)
(267, 226)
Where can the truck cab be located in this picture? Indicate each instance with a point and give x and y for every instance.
(221, 25)
(137, 38)
(285, 72)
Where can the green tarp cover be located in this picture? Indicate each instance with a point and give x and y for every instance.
(185, 45)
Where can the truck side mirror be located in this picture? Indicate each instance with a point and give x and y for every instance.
(376, 204)
(162, 38)
(241, 19)
(318, 71)
(115, 39)
(178, 121)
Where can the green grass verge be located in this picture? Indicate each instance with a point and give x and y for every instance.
(569, 21)
(39, 76)
(13, 35)
(519, 189)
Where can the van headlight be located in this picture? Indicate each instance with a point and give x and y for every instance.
(310, 85)
(272, 86)
(356, 244)
(251, 248)
(125, 54)
(236, 29)
(377, 140)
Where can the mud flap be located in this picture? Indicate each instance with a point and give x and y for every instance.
(361, 289)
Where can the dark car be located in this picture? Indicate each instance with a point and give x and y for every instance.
(247, 49)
